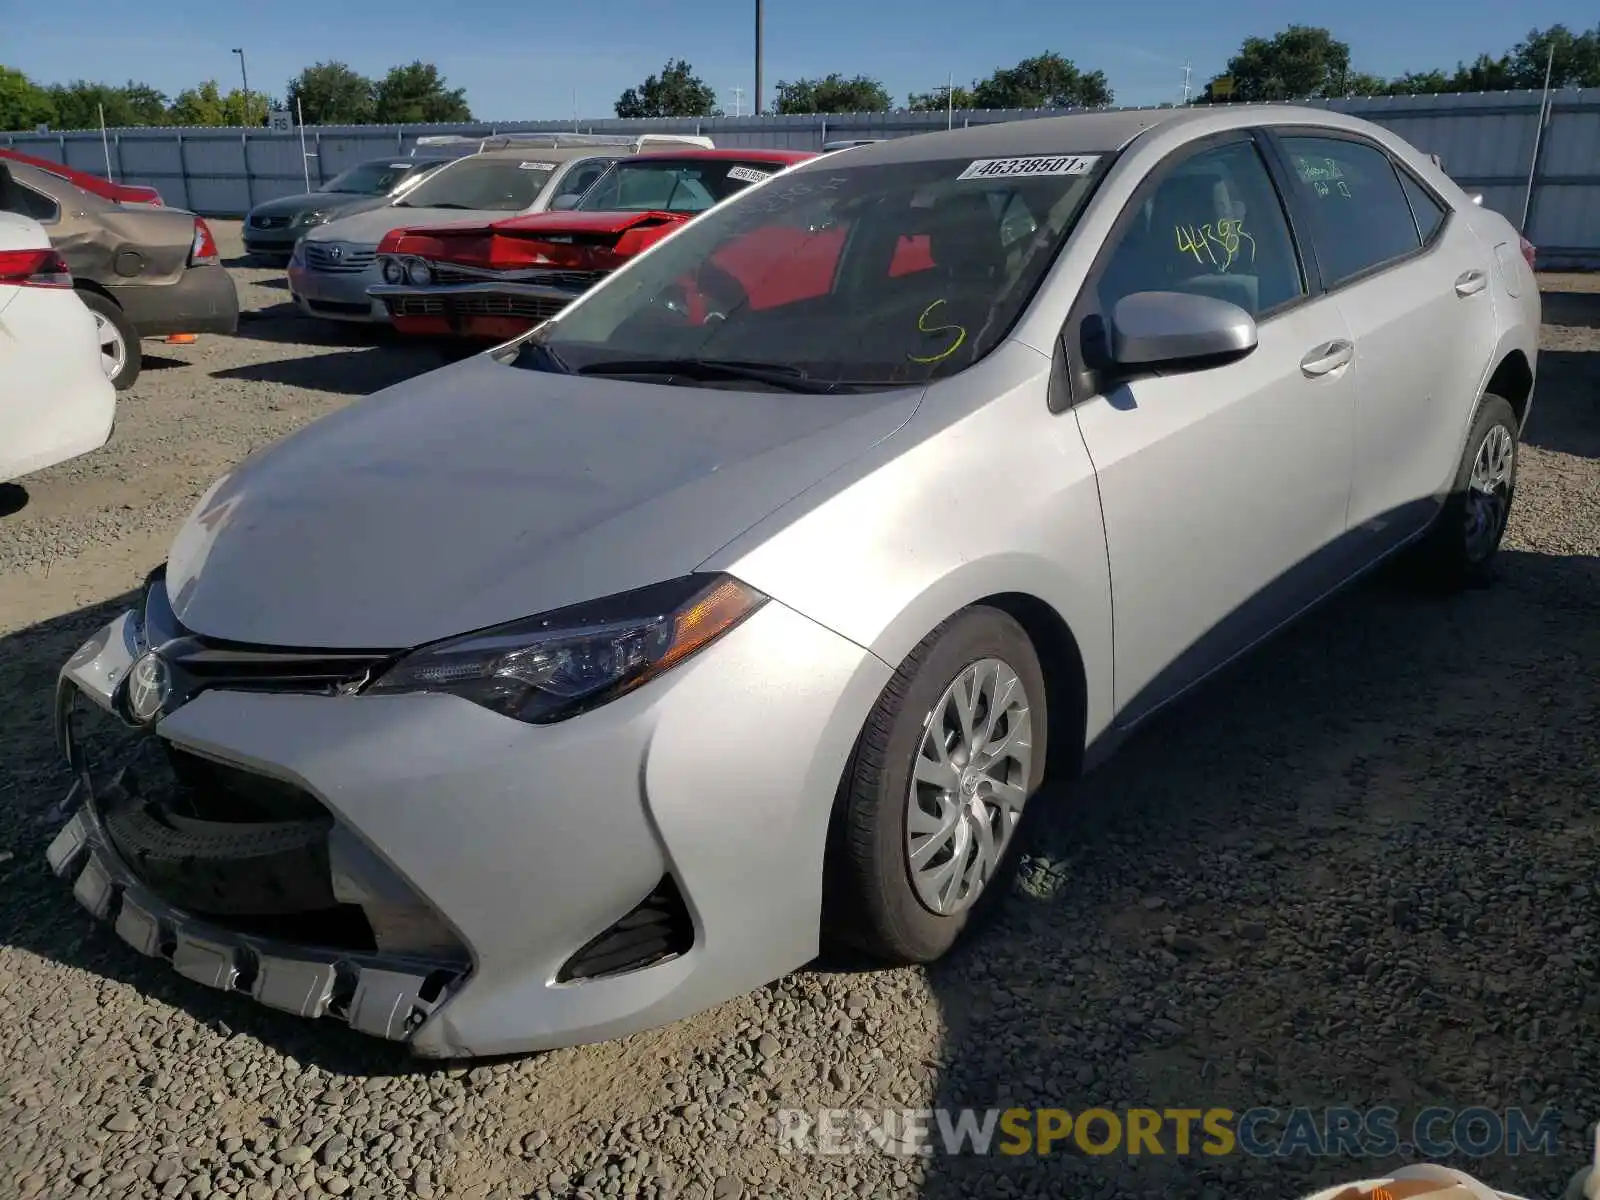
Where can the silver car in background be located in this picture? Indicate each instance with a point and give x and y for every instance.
(587, 682)
(491, 179)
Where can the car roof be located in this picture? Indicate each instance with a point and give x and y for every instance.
(1083, 133)
(553, 153)
(725, 152)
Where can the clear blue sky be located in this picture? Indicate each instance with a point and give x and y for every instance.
(525, 59)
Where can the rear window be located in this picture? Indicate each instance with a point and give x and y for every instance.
(683, 185)
(19, 198)
(870, 276)
(493, 184)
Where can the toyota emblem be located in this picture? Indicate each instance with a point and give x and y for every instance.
(149, 687)
(336, 252)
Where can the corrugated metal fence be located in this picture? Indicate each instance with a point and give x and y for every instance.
(1486, 141)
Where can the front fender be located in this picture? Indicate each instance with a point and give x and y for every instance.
(974, 498)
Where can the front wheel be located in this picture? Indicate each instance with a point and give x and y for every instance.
(120, 353)
(934, 793)
(1459, 551)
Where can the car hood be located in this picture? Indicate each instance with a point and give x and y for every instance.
(289, 206)
(368, 228)
(483, 493)
(505, 243)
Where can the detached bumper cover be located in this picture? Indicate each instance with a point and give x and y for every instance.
(375, 996)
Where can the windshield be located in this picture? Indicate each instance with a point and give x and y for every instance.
(369, 178)
(872, 276)
(495, 184)
(672, 185)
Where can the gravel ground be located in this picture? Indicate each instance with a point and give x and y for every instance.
(1357, 871)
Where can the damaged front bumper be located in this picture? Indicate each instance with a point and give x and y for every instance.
(478, 310)
(312, 877)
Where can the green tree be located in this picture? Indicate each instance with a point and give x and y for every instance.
(330, 93)
(23, 103)
(202, 105)
(1420, 83)
(78, 104)
(934, 101)
(676, 92)
(831, 94)
(416, 93)
(1044, 81)
(1576, 62)
(145, 105)
(238, 110)
(1302, 62)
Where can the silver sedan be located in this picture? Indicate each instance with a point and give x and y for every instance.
(750, 602)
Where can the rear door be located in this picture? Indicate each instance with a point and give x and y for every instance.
(1413, 281)
(1224, 489)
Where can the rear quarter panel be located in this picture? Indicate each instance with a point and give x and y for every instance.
(122, 246)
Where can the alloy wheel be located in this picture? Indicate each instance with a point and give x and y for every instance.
(1489, 492)
(968, 785)
(113, 350)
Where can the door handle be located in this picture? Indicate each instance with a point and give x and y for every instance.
(1327, 358)
(1470, 283)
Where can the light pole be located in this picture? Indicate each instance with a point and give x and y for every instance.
(758, 57)
(244, 75)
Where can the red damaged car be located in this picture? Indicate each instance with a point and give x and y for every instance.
(497, 281)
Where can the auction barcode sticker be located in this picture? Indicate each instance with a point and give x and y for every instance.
(1040, 164)
(746, 174)
(536, 166)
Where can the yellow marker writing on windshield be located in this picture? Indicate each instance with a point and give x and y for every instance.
(923, 327)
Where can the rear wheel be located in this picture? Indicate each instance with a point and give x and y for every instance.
(935, 790)
(1460, 550)
(120, 354)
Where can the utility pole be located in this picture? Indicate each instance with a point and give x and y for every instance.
(950, 101)
(758, 57)
(738, 101)
(1186, 85)
(244, 75)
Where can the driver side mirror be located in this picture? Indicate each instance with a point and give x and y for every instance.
(564, 203)
(1177, 329)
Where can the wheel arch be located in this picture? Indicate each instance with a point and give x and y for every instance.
(89, 285)
(1512, 380)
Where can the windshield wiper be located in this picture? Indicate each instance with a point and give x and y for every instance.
(790, 379)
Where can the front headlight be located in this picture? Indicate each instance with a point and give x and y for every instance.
(315, 217)
(547, 668)
(418, 273)
(392, 271)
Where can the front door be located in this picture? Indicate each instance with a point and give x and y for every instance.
(1223, 490)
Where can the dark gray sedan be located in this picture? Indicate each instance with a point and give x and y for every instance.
(273, 227)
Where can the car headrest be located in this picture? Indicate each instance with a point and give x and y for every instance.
(964, 235)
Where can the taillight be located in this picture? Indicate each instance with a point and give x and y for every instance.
(203, 253)
(34, 268)
(1528, 252)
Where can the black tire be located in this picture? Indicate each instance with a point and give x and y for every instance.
(1451, 557)
(116, 322)
(869, 901)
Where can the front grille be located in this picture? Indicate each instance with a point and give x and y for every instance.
(268, 222)
(578, 281)
(533, 308)
(348, 260)
(657, 930)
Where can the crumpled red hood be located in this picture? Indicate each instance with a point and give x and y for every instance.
(562, 236)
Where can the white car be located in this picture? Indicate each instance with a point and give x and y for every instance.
(55, 401)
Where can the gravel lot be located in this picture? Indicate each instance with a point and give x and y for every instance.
(1359, 871)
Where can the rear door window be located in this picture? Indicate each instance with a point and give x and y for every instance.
(1360, 218)
(1430, 214)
